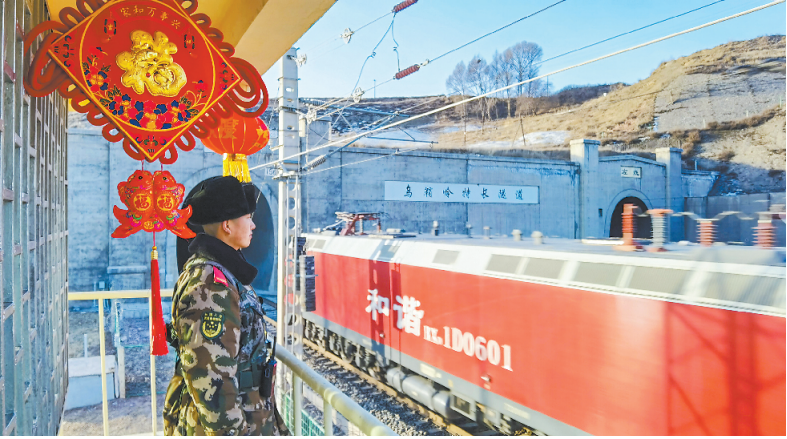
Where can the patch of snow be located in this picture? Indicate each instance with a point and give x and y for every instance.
(546, 138)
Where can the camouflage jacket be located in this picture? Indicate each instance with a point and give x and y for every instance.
(218, 324)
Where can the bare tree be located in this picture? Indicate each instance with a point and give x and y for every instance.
(506, 74)
(477, 79)
(457, 81)
(493, 72)
(518, 63)
(525, 57)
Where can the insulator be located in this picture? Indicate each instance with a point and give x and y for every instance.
(316, 162)
(357, 95)
(347, 35)
(707, 232)
(403, 5)
(408, 71)
(764, 236)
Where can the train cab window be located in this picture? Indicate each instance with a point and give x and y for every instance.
(601, 274)
(315, 244)
(661, 280)
(548, 268)
(445, 257)
(755, 290)
(504, 263)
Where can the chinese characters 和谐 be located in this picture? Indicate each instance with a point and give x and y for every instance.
(408, 316)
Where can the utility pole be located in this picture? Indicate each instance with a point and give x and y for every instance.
(289, 322)
(375, 90)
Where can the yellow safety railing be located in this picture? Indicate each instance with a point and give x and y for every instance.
(100, 296)
(333, 398)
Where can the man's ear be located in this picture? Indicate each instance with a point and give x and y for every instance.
(225, 225)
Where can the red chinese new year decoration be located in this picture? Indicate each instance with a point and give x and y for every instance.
(153, 73)
(152, 201)
(236, 137)
(159, 333)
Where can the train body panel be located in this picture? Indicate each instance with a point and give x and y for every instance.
(570, 342)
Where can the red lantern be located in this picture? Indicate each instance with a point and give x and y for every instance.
(237, 137)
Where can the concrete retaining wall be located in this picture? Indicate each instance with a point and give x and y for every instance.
(360, 188)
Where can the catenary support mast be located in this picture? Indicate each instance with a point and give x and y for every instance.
(289, 330)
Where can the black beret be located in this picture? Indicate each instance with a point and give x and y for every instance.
(219, 199)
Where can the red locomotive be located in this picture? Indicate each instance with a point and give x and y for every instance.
(563, 338)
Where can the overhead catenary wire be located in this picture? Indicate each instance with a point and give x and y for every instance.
(341, 36)
(575, 50)
(396, 9)
(397, 152)
(436, 98)
(497, 30)
(629, 32)
(374, 52)
(481, 96)
(414, 68)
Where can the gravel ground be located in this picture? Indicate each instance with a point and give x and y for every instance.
(126, 416)
(397, 416)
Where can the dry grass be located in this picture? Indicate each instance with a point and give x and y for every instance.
(748, 122)
(726, 155)
(689, 140)
(81, 323)
(736, 53)
(546, 154)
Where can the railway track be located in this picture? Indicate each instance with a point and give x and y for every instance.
(468, 428)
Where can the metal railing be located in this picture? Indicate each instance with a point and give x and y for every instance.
(332, 397)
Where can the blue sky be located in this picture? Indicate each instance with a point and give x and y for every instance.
(432, 27)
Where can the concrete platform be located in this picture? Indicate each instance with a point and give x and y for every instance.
(84, 381)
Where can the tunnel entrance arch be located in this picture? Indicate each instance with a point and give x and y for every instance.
(642, 231)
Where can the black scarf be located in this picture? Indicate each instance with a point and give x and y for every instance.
(231, 259)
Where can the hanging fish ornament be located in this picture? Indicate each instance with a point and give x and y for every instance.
(168, 194)
(152, 201)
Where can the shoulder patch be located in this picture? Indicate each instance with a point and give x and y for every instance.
(219, 277)
(212, 324)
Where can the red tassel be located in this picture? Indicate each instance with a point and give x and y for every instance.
(159, 336)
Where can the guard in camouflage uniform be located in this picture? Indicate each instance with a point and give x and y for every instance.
(223, 378)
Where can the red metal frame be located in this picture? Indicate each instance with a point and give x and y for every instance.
(350, 219)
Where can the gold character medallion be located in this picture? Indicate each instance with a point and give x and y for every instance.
(150, 64)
